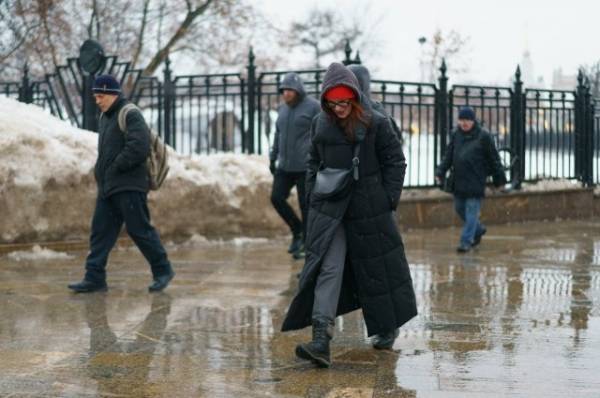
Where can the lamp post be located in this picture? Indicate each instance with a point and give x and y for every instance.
(422, 41)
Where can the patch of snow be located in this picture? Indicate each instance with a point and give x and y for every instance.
(551, 185)
(38, 253)
(199, 240)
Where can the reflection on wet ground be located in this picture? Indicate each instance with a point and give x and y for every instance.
(520, 316)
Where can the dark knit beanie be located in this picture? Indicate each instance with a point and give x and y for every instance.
(106, 84)
(467, 113)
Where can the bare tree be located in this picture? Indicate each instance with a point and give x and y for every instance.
(592, 74)
(450, 46)
(46, 32)
(323, 32)
(14, 31)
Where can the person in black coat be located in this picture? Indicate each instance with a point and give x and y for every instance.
(123, 183)
(354, 253)
(472, 155)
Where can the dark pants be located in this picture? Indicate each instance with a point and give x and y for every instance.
(130, 208)
(282, 185)
(468, 210)
(330, 278)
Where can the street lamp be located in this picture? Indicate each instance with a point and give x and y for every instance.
(422, 41)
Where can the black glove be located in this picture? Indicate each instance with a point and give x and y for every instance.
(272, 167)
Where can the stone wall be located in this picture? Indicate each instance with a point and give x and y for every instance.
(501, 208)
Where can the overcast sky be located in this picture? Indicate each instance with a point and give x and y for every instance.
(557, 33)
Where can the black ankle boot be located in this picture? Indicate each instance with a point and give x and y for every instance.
(318, 349)
(296, 243)
(385, 341)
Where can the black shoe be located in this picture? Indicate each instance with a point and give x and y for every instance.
(318, 349)
(160, 282)
(385, 341)
(86, 286)
(477, 239)
(463, 248)
(296, 243)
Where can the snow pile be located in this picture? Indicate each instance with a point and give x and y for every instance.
(47, 186)
(38, 254)
(551, 185)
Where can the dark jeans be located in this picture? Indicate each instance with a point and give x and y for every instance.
(130, 208)
(282, 185)
(468, 210)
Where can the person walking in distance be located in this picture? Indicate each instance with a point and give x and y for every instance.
(289, 154)
(471, 155)
(123, 182)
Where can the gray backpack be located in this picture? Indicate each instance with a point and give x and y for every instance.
(158, 160)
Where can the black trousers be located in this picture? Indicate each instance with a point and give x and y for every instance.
(130, 208)
(282, 185)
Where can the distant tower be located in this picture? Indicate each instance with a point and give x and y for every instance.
(527, 71)
(528, 76)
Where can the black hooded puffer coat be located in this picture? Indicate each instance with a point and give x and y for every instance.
(376, 276)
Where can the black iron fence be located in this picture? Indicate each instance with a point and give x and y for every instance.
(541, 133)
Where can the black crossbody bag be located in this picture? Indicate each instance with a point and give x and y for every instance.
(335, 184)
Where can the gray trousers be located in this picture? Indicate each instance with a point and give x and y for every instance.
(331, 275)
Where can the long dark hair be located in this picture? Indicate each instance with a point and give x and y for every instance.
(357, 116)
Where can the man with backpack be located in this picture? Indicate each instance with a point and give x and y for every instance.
(123, 180)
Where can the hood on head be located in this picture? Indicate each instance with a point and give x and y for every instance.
(336, 75)
(292, 81)
(364, 78)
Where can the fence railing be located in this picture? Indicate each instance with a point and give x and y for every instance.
(541, 133)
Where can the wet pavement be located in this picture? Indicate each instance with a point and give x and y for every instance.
(520, 316)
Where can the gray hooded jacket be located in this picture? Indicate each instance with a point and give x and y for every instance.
(292, 132)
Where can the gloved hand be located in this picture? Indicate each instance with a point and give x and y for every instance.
(272, 167)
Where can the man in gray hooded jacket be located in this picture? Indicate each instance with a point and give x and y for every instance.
(289, 154)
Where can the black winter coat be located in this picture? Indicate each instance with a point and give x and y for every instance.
(121, 164)
(376, 276)
(474, 156)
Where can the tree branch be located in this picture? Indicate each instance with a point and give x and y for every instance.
(140, 38)
(181, 31)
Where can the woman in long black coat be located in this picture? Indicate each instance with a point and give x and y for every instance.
(354, 253)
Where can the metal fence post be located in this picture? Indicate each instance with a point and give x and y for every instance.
(588, 147)
(88, 104)
(26, 88)
(443, 121)
(251, 102)
(169, 99)
(580, 127)
(517, 130)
